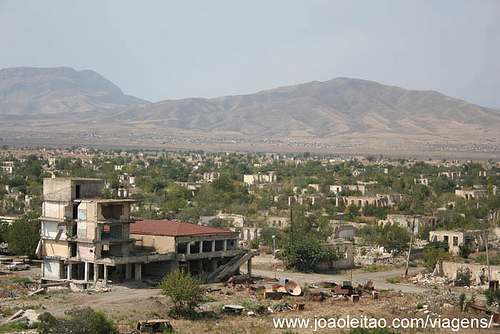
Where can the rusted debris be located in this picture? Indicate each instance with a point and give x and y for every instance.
(345, 289)
(240, 279)
(274, 295)
(369, 286)
(496, 315)
(293, 288)
(316, 296)
(328, 285)
(275, 287)
(153, 326)
(300, 306)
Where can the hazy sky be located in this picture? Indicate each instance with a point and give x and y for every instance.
(161, 50)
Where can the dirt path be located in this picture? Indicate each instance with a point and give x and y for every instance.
(379, 278)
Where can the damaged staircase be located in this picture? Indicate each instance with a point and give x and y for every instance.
(232, 266)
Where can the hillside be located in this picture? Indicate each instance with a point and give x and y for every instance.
(27, 91)
(336, 111)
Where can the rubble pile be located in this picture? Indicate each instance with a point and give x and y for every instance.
(378, 255)
(437, 301)
(430, 279)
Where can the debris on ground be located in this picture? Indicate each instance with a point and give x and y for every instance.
(233, 309)
(27, 316)
(430, 279)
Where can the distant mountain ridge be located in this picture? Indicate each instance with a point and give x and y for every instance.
(28, 90)
(340, 106)
(337, 110)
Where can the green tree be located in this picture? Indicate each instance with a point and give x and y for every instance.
(3, 230)
(435, 252)
(306, 251)
(185, 290)
(23, 235)
(390, 236)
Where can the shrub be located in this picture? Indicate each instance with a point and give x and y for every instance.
(464, 251)
(79, 321)
(185, 290)
(462, 301)
(492, 297)
(254, 244)
(463, 277)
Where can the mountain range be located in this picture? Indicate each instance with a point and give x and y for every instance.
(62, 99)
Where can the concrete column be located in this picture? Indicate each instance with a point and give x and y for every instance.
(214, 264)
(249, 267)
(175, 264)
(105, 274)
(96, 272)
(188, 248)
(225, 245)
(70, 270)
(128, 271)
(201, 247)
(86, 272)
(138, 273)
(213, 246)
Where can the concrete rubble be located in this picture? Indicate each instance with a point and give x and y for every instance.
(27, 316)
(430, 279)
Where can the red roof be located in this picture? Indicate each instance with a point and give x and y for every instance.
(173, 228)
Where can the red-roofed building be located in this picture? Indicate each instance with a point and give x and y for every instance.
(87, 239)
(198, 249)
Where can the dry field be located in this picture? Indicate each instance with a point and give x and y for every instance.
(126, 304)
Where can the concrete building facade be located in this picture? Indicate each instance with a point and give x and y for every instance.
(86, 239)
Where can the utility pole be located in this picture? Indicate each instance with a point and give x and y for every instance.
(487, 254)
(291, 222)
(409, 250)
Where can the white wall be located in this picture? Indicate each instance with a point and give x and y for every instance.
(50, 230)
(51, 268)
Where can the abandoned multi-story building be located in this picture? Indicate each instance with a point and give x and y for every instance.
(86, 238)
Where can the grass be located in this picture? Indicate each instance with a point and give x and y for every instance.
(394, 280)
(23, 279)
(209, 299)
(15, 327)
(252, 305)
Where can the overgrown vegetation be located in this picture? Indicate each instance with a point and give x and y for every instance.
(77, 321)
(435, 252)
(305, 252)
(185, 290)
(463, 277)
(392, 237)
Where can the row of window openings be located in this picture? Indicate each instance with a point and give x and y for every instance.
(106, 250)
(455, 240)
(115, 232)
(108, 211)
(206, 246)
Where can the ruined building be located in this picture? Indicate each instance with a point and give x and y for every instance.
(87, 239)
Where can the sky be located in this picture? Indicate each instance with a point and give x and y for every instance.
(159, 50)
